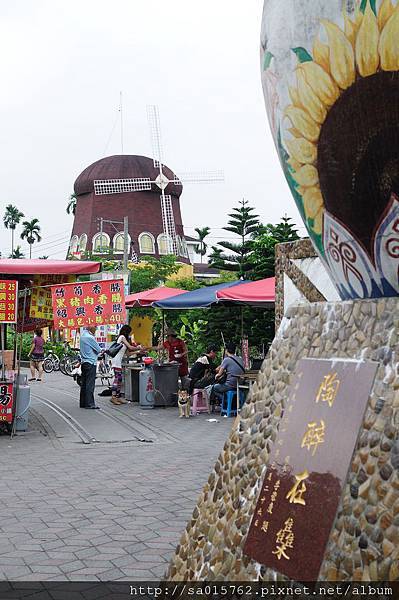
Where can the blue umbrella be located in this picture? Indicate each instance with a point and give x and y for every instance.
(201, 298)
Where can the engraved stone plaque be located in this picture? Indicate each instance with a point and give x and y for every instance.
(308, 465)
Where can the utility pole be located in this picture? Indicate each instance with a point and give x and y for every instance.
(125, 242)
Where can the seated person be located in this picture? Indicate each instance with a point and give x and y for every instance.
(201, 373)
(230, 370)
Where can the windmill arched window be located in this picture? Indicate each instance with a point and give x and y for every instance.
(101, 243)
(164, 243)
(179, 244)
(119, 242)
(146, 243)
(73, 244)
(82, 242)
(184, 247)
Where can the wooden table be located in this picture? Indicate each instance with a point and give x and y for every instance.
(251, 376)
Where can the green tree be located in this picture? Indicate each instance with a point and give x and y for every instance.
(263, 246)
(71, 206)
(243, 223)
(184, 283)
(17, 253)
(43, 257)
(31, 233)
(152, 272)
(202, 247)
(11, 218)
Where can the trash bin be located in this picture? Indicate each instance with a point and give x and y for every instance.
(166, 379)
(132, 382)
(22, 407)
(146, 387)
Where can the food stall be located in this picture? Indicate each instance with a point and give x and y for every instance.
(164, 376)
(25, 304)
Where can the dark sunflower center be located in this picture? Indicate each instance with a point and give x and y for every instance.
(358, 154)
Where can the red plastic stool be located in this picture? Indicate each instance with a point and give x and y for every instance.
(199, 402)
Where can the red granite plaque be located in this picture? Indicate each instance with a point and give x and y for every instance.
(308, 466)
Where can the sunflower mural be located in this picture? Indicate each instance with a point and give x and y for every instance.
(331, 83)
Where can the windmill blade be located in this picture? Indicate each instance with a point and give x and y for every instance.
(199, 177)
(168, 222)
(117, 186)
(155, 132)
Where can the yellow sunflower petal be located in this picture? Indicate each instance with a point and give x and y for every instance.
(307, 176)
(320, 82)
(358, 16)
(294, 132)
(302, 150)
(389, 43)
(293, 92)
(385, 12)
(321, 54)
(318, 222)
(302, 121)
(351, 28)
(312, 201)
(367, 58)
(294, 164)
(309, 99)
(342, 58)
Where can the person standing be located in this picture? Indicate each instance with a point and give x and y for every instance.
(177, 351)
(36, 355)
(89, 350)
(127, 345)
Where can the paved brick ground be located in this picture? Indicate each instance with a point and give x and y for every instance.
(101, 511)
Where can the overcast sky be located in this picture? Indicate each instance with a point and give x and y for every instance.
(62, 67)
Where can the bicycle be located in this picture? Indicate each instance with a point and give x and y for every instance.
(51, 362)
(68, 361)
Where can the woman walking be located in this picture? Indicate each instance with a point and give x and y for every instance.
(36, 355)
(131, 347)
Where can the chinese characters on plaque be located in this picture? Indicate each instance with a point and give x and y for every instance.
(90, 303)
(6, 402)
(308, 465)
(8, 301)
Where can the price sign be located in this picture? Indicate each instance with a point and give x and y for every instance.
(8, 301)
(82, 304)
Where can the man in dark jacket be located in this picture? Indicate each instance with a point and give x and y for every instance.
(202, 367)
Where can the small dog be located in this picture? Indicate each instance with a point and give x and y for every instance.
(184, 404)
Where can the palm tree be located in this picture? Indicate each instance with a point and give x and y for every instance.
(17, 253)
(71, 207)
(31, 233)
(12, 217)
(202, 232)
(43, 257)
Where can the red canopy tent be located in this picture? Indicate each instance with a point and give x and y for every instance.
(37, 266)
(253, 293)
(148, 297)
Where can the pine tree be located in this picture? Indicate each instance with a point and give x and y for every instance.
(244, 224)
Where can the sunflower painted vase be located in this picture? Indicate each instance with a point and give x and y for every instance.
(330, 74)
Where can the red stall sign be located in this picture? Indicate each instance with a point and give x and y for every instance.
(8, 301)
(6, 402)
(90, 303)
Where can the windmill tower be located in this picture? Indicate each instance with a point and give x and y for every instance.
(138, 184)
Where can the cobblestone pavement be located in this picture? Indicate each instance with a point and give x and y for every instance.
(100, 511)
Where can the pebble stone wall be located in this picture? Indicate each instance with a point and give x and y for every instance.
(364, 541)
